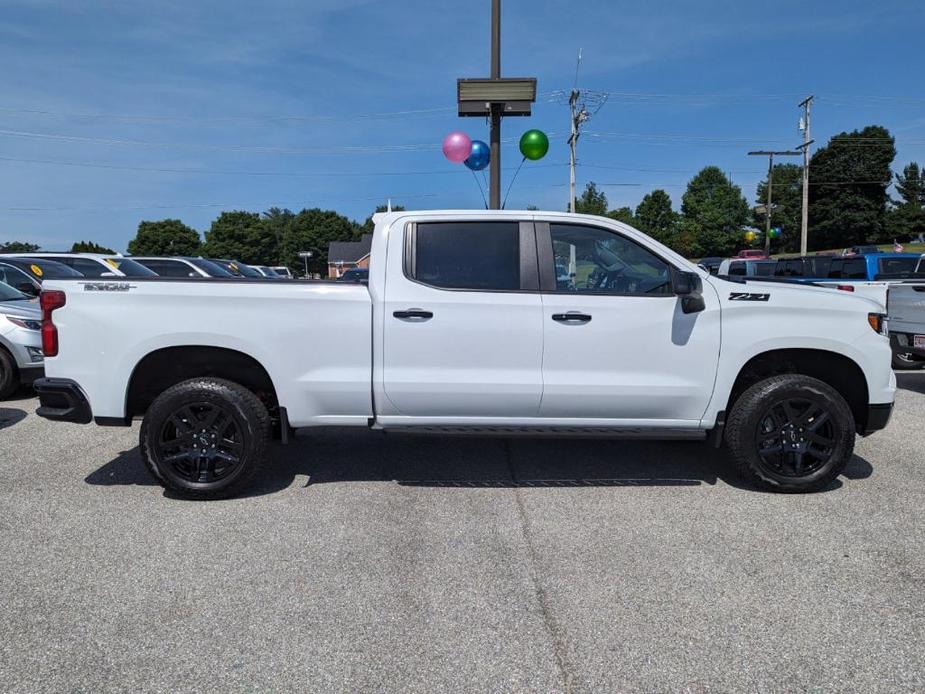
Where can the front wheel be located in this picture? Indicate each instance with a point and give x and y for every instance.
(791, 433)
(904, 359)
(205, 438)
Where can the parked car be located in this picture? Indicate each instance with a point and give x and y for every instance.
(93, 264)
(282, 271)
(752, 254)
(906, 310)
(20, 340)
(185, 266)
(27, 274)
(711, 264)
(237, 268)
(462, 328)
(355, 274)
(734, 267)
(862, 249)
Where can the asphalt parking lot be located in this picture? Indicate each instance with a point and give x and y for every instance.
(380, 562)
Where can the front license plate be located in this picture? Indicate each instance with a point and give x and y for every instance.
(918, 341)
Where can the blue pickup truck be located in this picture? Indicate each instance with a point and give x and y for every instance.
(868, 267)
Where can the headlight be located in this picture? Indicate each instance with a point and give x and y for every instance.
(26, 323)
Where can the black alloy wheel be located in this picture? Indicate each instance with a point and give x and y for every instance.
(795, 437)
(201, 442)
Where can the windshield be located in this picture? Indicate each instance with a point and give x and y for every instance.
(236, 268)
(211, 269)
(129, 267)
(7, 293)
(43, 269)
(270, 272)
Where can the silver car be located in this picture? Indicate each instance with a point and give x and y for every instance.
(21, 358)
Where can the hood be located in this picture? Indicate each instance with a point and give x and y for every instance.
(21, 309)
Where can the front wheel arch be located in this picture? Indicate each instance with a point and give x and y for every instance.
(836, 370)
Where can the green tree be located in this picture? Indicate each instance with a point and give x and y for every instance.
(848, 180)
(242, 236)
(89, 247)
(714, 211)
(277, 221)
(165, 237)
(17, 247)
(312, 230)
(367, 226)
(592, 201)
(623, 214)
(787, 205)
(906, 219)
(655, 217)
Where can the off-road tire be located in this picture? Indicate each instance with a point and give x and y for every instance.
(249, 416)
(750, 412)
(9, 376)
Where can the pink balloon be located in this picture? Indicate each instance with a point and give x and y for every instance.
(457, 147)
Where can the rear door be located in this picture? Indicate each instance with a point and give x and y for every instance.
(617, 345)
(462, 321)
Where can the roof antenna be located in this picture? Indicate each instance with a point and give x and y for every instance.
(389, 205)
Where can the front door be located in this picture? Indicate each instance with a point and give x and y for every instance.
(462, 327)
(617, 345)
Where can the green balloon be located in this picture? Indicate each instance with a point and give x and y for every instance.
(534, 144)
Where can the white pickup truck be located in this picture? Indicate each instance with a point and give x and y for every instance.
(473, 322)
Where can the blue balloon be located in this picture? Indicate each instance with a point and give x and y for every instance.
(479, 157)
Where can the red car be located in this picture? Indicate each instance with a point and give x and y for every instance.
(752, 254)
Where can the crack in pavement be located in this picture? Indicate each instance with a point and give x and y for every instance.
(555, 631)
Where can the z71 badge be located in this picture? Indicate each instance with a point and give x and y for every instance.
(747, 296)
(107, 286)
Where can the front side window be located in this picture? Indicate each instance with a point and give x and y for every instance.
(467, 255)
(590, 259)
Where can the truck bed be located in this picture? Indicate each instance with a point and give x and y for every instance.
(303, 332)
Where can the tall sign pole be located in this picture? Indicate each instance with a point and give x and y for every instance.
(494, 98)
(494, 171)
(804, 215)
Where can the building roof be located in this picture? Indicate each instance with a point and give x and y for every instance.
(349, 251)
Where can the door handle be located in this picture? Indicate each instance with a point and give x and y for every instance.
(571, 317)
(413, 314)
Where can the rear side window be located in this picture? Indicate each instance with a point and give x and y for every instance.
(169, 268)
(467, 255)
(897, 265)
(86, 267)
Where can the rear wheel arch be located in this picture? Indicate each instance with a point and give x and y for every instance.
(838, 371)
(163, 368)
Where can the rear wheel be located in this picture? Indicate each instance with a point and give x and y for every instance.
(791, 433)
(205, 438)
(8, 376)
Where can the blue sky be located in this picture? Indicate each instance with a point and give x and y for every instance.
(114, 112)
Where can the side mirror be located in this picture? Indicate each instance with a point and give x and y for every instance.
(688, 286)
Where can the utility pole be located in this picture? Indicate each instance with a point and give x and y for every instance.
(804, 216)
(494, 139)
(768, 204)
(582, 105)
(572, 143)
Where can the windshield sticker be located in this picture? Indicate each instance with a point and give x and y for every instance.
(112, 263)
